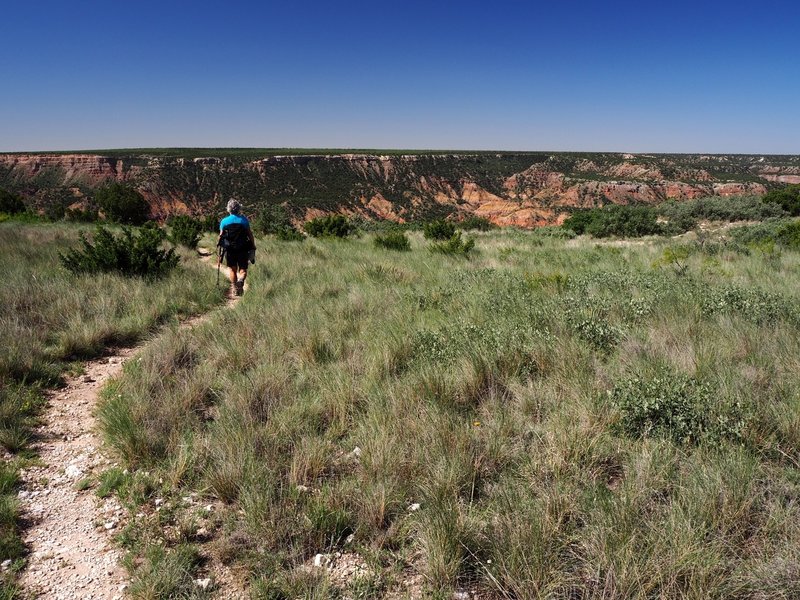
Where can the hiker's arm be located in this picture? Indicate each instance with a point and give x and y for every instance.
(252, 238)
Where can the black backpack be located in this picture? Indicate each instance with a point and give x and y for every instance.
(234, 238)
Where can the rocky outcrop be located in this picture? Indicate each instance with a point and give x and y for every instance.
(524, 190)
(89, 168)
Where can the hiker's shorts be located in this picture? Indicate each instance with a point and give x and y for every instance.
(236, 259)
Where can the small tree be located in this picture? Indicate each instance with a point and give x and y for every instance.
(272, 219)
(11, 204)
(123, 204)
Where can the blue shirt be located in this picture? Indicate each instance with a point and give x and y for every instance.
(234, 220)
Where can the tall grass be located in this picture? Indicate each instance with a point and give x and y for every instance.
(500, 396)
(49, 319)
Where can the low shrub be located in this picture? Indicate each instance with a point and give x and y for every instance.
(553, 232)
(130, 254)
(676, 407)
(615, 220)
(289, 234)
(122, 204)
(473, 222)
(783, 232)
(788, 235)
(394, 240)
(439, 230)
(454, 246)
(683, 216)
(329, 226)
(365, 225)
(599, 333)
(81, 215)
(185, 230)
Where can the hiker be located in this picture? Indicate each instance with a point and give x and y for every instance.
(237, 244)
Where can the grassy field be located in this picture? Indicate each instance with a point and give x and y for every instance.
(50, 320)
(553, 417)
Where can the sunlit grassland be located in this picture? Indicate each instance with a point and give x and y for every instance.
(50, 320)
(574, 420)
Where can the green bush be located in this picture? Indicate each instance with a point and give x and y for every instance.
(394, 240)
(186, 230)
(784, 232)
(615, 220)
(473, 222)
(11, 204)
(289, 234)
(454, 246)
(122, 204)
(578, 221)
(439, 230)
(599, 333)
(684, 215)
(675, 407)
(329, 226)
(788, 198)
(788, 235)
(129, 254)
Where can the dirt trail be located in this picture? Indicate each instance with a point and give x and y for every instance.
(69, 531)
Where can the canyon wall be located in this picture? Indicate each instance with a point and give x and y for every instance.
(521, 189)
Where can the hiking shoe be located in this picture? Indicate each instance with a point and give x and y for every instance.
(239, 288)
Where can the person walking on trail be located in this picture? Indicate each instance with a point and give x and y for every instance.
(236, 242)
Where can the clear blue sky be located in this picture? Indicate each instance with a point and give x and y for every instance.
(702, 76)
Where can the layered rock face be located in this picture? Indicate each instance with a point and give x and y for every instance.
(75, 167)
(520, 189)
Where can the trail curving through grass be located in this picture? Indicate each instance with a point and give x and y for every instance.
(70, 530)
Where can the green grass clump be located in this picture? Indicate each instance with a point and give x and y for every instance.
(166, 574)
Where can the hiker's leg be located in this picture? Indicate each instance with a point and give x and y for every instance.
(242, 274)
(233, 274)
